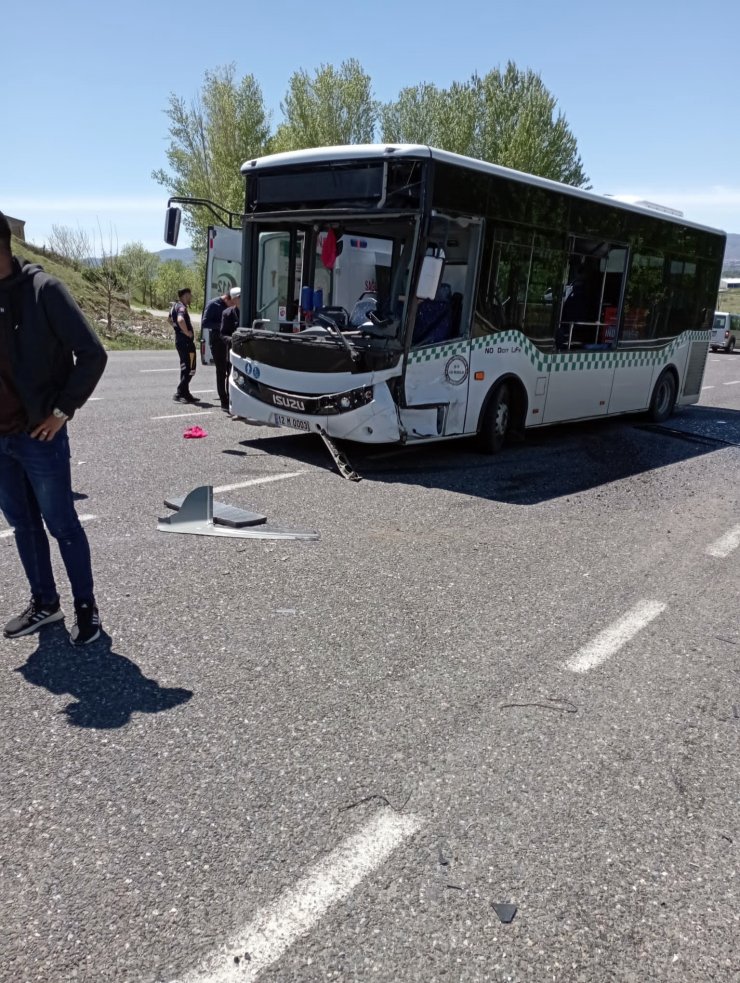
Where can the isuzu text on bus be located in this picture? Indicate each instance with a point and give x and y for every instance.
(406, 294)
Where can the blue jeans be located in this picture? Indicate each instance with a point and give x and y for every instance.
(36, 485)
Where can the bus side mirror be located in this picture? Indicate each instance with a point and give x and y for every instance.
(431, 273)
(172, 225)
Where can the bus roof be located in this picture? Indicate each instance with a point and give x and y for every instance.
(320, 155)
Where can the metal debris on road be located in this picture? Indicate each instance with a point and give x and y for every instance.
(563, 706)
(195, 517)
(339, 457)
(505, 912)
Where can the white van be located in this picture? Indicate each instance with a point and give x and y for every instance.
(725, 331)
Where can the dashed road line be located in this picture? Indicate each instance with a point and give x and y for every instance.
(295, 912)
(174, 368)
(609, 641)
(735, 382)
(7, 533)
(706, 387)
(174, 416)
(257, 481)
(725, 544)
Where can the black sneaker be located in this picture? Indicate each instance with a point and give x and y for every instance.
(189, 398)
(177, 398)
(34, 617)
(87, 624)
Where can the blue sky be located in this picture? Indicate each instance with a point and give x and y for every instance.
(647, 88)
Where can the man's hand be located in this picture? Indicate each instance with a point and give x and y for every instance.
(183, 325)
(49, 428)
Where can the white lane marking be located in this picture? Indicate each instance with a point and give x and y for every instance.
(176, 369)
(706, 387)
(735, 383)
(295, 912)
(725, 544)
(174, 416)
(611, 639)
(7, 533)
(95, 399)
(199, 392)
(257, 481)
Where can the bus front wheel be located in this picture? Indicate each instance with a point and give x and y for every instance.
(664, 397)
(497, 420)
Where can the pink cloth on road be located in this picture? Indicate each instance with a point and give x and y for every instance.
(194, 432)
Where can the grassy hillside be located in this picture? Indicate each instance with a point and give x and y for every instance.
(130, 329)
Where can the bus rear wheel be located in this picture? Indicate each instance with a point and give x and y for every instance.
(664, 397)
(497, 420)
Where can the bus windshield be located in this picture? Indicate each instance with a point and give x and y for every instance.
(320, 277)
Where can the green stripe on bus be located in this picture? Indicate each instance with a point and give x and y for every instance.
(560, 361)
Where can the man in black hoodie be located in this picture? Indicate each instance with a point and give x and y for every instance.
(50, 362)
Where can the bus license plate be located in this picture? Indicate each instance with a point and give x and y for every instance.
(291, 421)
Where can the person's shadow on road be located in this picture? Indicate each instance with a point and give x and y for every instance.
(108, 687)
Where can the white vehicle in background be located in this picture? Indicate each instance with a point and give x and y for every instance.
(223, 271)
(725, 331)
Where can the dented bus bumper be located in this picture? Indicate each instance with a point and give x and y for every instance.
(366, 413)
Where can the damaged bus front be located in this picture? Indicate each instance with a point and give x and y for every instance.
(334, 265)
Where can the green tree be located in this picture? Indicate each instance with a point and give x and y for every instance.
(444, 118)
(331, 108)
(519, 127)
(138, 269)
(507, 117)
(174, 275)
(210, 139)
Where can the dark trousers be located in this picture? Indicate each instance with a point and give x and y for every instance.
(36, 488)
(186, 351)
(223, 365)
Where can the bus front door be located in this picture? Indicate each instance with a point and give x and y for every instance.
(436, 390)
(223, 272)
(438, 366)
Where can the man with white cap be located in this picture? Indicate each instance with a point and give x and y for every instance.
(215, 310)
(229, 324)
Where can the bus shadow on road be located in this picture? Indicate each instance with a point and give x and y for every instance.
(108, 688)
(550, 463)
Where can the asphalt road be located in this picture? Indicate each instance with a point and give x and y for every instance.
(492, 680)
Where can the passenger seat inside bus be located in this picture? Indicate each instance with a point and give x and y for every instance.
(439, 319)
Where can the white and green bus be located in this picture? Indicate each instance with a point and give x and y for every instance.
(406, 294)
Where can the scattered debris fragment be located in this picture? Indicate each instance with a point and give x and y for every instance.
(505, 912)
(223, 515)
(339, 457)
(383, 799)
(195, 516)
(562, 706)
